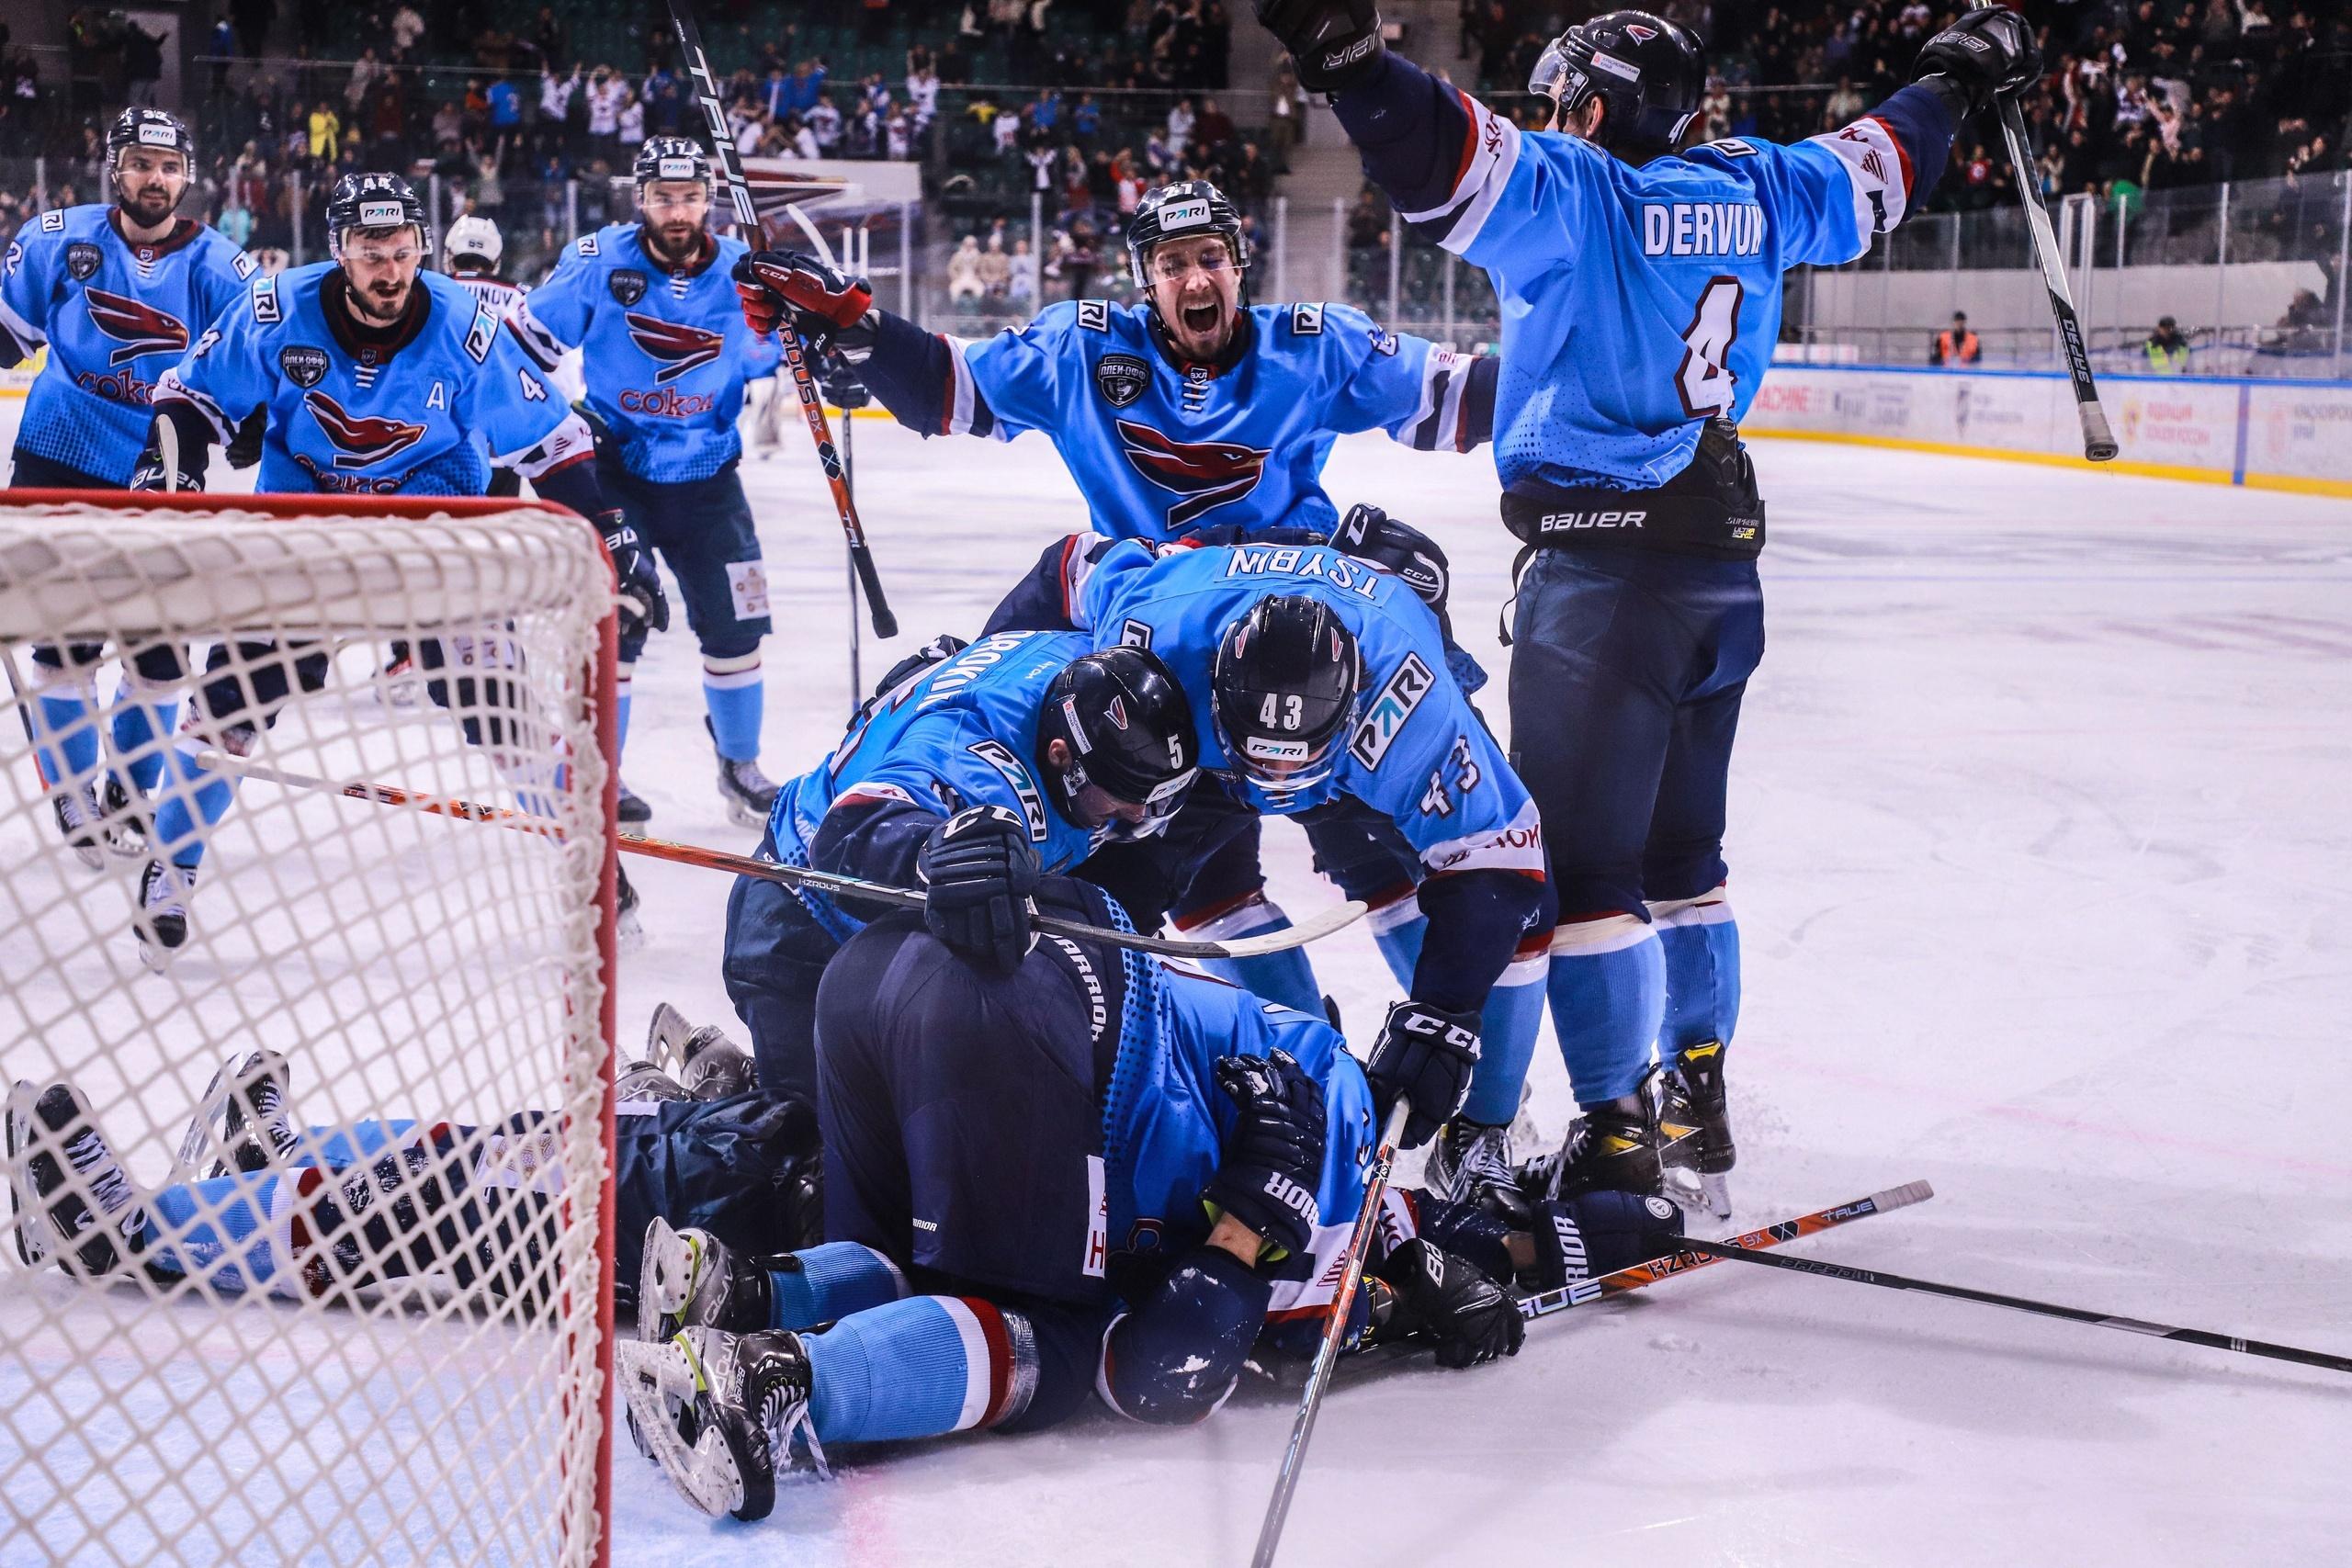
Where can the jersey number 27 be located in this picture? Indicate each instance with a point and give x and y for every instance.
(1704, 379)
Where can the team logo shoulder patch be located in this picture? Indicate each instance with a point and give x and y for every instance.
(53, 220)
(1121, 379)
(304, 365)
(1094, 315)
(587, 246)
(82, 261)
(1306, 321)
(1024, 788)
(1390, 709)
(627, 285)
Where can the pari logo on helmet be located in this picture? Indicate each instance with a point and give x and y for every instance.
(1207, 474)
(680, 347)
(140, 328)
(360, 440)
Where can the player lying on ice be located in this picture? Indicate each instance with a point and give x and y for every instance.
(315, 1212)
(1055, 1167)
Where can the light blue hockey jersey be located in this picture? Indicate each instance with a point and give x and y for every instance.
(424, 417)
(1636, 301)
(116, 316)
(952, 735)
(665, 356)
(1159, 451)
(1415, 750)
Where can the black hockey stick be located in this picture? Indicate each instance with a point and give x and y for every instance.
(2099, 437)
(812, 408)
(2021, 1304)
(1335, 1329)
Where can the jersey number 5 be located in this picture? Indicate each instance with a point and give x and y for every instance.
(1704, 379)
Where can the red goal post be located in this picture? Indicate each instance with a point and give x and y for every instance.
(390, 1338)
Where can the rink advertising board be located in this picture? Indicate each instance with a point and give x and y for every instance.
(2265, 434)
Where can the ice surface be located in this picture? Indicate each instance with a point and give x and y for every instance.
(2040, 849)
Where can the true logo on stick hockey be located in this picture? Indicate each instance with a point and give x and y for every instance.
(82, 261)
(361, 441)
(1121, 379)
(628, 287)
(1206, 473)
(680, 347)
(140, 328)
(304, 365)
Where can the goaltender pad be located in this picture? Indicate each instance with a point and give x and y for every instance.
(400, 1359)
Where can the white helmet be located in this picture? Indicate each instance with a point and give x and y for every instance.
(473, 235)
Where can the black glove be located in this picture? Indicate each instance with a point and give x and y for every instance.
(837, 379)
(1983, 53)
(1425, 1055)
(642, 602)
(978, 869)
(1333, 43)
(1597, 1232)
(1445, 1301)
(150, 476)
(244, 448)
(1370, 534)
(1274, 1156)
(828, 306)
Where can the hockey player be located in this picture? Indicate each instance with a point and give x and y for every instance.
(1641, 296)
(374, 378)
(666, 358)
(472, 253)
(971, 761)
(1094, 1171)
(118, 293)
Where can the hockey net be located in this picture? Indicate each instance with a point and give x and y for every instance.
(380, 1329)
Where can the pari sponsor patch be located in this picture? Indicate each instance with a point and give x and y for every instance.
(1395, 704)
(1193, 213)
(381, 214)
(675, 169)
(155, 135)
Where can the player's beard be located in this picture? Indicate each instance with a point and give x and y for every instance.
(150, 207)
(675, 244)
(375, 305)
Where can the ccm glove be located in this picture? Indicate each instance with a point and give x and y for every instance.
(1599, 1233)
(1981, 53)
(826, 305)
(1334, 43)
(1425, 1057)
(1274, 1156)
(979, 870)
(1370, 534)
(642, 602)
(1445, 1301)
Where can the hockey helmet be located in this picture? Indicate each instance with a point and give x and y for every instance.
(1179, 212)
(476, 237)
(1646, 69)
(375, 201)
(1129, 731)
(150, 128)
(1284, 691)
(671, 158)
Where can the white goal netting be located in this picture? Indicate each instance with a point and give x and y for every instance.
(306, 925)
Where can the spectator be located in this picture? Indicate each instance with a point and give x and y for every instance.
(995, 267)
(1845, 107)
(966, 287)
(1021, 278)
(2167, 348)
(325, 132)
(631, 127)
(824, 122)
(1955, 344)
(605, 90)
(1282, 118)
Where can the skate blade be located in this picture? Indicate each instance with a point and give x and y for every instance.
(657, 1380)
(1716, 1192)
(155, 954)
(628, 932)
(89, 852)
(665, 1039)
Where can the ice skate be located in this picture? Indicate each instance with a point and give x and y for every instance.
(628, 932)
(161, 919)
(123, 821)
(691, 1279)
(634, 812)
(749, 794)
(715, 1410)
(1696, 1095)
(77, 817)
(1471, 1162)
(64, 1178)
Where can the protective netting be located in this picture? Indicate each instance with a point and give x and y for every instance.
(304, 1261)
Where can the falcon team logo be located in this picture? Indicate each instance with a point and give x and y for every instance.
(140, 329)
(361, 441)
(683, 348)
(1206, 473)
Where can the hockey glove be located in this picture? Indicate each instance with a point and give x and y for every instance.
(1445, 1302)
(1599, 1233)
(979, 870)
(244, 448)
(1425, 1057)
(827, 305)
(1334, 43)
(1981, 53)
(1274, 1156)
(150, 476)
(642, 602)
(1370, 534)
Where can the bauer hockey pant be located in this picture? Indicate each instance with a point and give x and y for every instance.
(1627, 671)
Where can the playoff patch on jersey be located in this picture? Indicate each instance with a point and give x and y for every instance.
(1390, 709)
(304, 365)
(1121, 379)
(82, 261)
(628, 287)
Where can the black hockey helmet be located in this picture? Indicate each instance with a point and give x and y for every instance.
(671, 158)
(375, 201)
(150, 128)
(1646, 70)
(1129, 731)
(1179, 212)
(1284, 690)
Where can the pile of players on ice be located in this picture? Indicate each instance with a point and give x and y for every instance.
(966, 1175)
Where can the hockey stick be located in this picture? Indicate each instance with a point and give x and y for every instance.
(2040, 1309)
(1584, 1293)
(1337, 917)
(1335, 1329)
(2099, 437)
(812, 408)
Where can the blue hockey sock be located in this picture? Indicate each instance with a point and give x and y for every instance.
(919, 1368)
(833, 1281)
(734, 692)
(1700, 941)
(1399, 939)
(220, 1228)
(69, 752)
(352, 1145)
(176, 837)
(620, 711)
(1608, 992)
(1285, 978)
(1508, 1026)
(141, 722)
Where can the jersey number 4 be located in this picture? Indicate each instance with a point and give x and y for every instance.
(1704, 379)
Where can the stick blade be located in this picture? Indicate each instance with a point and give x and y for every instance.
(1337, 917)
